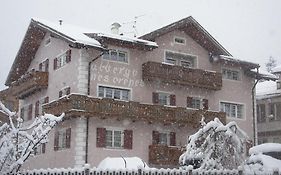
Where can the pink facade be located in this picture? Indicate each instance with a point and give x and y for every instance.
(129, 76)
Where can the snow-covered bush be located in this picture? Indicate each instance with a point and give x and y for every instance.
(18, 142)
(216, 146)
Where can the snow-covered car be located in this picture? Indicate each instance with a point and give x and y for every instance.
(119, 163)
(263, 158)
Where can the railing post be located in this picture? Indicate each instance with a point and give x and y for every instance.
(87, 169)
(190, 172)
(276, 172)
(139, 171)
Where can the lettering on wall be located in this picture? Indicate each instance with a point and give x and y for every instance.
(116, 75)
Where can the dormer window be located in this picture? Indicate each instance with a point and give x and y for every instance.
(179, 40)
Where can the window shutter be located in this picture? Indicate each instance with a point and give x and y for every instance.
(189, 102)
(155, 97)
(47, 65)
(40, 66)
(155, 137)
(56, 141)
(68, 137)
(60, 94)
(68, 56)
(29, 117)
(55, 63)
(37, 108)
(205, 104)
(173, 100)
(46, 100)
(128, 139)
(68, 91)
(101, 134)
(172, 138)
(22, 112)
(43, 148)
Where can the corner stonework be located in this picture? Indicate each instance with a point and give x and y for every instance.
(83, 66)
(80, 141)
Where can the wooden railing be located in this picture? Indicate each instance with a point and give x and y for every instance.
(81, 105)
(154, 71)
(30, 83)
(164, 155)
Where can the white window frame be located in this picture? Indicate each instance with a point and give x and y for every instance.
(167, 99)
(112, 129)
(118, 51)
(231, 70)
(200, 102)
(243, 113)
(116, 88)
(62, 138)
(178, 61)
(179, 38)
(61, 60)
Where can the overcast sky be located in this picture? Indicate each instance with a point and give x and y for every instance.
(248, 29)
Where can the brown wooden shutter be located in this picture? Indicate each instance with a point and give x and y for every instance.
(56, 141)
(47, 65)
(55, 63)
(172, 138)
(101, 136)
(37, 108)
(189, 102)
(155, 97)
(68, 91)
(29, 117)
(68, 56)
(155, 137)
(173, 100)
(46, 100)
(60, 94)
(68, 137)
(205, 104)
(43, 148)
(40, 66)
(128, 139)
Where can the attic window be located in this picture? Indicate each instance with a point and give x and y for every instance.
(47, 41)
(179, 40)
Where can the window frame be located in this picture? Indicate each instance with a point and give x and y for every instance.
(108, 57)
(179, 38)
(121, 89)
(189, 58)
(243, 111)
(113, 130)
(225, 76)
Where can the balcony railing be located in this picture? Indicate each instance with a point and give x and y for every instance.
(164, 155)
(30, 83)
(81, 105)
(154, 71)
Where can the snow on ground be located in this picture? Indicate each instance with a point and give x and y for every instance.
(266, 147)
(262, 163)
(118, 163)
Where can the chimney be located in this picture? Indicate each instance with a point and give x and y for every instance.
(60, 22)
(115, 28)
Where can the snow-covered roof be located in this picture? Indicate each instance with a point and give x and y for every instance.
(265, 148)
(119, 163)
(74, 33)
(261, 163)
(238, 61)
(267, 89)
(276, 69)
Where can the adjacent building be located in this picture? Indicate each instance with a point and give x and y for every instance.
(127, 96)
(269, 109)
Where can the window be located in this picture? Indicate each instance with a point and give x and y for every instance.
(261, 113)
(62, 139)
(114, 138)
(163, 98)
(197, 103)
(232, 110)
(179, 40)
(274, 111)
(231, 74)
(61, 60)
(116, 55)
(44, 66)
(114, 93)
(38, 105)
(64, 91)
(180, 59)
(164, 138)
(40, 149)
(26, 112)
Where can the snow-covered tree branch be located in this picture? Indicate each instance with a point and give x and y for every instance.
(216, 146)
(18, 142)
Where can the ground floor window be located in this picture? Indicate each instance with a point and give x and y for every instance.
(62, 139)
(114, 138)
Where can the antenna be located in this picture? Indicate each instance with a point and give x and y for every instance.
(134, 23)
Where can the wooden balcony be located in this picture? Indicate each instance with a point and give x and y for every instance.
(164, 155)
(30, 83)
(154, 71)
(80, 105)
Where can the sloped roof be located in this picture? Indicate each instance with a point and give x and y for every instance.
(276, 69)
(195, 31)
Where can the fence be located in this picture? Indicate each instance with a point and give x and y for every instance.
(150, 171)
